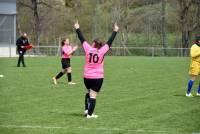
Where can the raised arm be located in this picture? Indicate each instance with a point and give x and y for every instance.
(79, 33)
(114, 33)
(71, 51)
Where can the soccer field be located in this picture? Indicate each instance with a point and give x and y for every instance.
(141, 95)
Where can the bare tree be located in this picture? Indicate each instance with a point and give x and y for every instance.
(36, 21)
(95, 18)
(184, 11)
(120, 14)
(196, 26)
(188, 26)
(163, 31)
(33, 6)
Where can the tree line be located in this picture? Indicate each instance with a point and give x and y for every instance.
(162, 23)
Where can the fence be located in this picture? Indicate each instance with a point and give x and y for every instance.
(116, 51)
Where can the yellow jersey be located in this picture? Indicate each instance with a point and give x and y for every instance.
(195, 60)
(195, 53)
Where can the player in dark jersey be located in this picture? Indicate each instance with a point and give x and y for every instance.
(21, 43)
(93, 70)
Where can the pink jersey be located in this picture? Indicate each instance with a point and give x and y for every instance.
(65, 50)
(94, 61)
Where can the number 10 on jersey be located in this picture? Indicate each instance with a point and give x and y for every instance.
(93, 58)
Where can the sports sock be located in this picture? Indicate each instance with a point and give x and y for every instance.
(69, 76)
(19, 60)
(199, 88)
(87, 97)
(190, 84)
(59, 75)
(22, 58)
(92, 103)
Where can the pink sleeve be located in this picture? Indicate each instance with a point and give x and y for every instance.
(86, 46)
(104, 49)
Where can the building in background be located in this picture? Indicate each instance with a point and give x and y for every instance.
(7, 28)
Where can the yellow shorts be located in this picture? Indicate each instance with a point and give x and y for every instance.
(194, 68)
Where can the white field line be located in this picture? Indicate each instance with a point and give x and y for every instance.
(87, 128)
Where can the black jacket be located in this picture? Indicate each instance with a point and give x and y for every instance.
(22, 41)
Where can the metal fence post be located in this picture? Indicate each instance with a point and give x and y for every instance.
(181, 52)
(10, 48)
(152, 51)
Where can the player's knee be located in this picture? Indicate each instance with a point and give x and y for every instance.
(64, 71)
(69, 70)
(93, 94)
(193, 77)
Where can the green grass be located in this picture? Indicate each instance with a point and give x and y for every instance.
(141, 95)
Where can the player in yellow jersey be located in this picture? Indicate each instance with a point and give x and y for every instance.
(194, 70)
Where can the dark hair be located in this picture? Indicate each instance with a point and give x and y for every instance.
(63, 42)
(22, 34)
(197, 38)
(98, 43)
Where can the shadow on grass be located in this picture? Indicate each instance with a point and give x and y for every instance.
(76, 114)
(183, 95)
(61, 83)
(58, 83)
(180, 95)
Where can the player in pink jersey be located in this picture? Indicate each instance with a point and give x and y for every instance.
(66, 52)
(93, 70)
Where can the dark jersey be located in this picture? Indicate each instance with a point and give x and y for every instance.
(22, 41)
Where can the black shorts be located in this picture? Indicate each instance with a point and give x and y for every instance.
(65, 63)
(94, 84)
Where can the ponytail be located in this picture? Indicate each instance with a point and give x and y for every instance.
(98, 43)
(62, 42)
